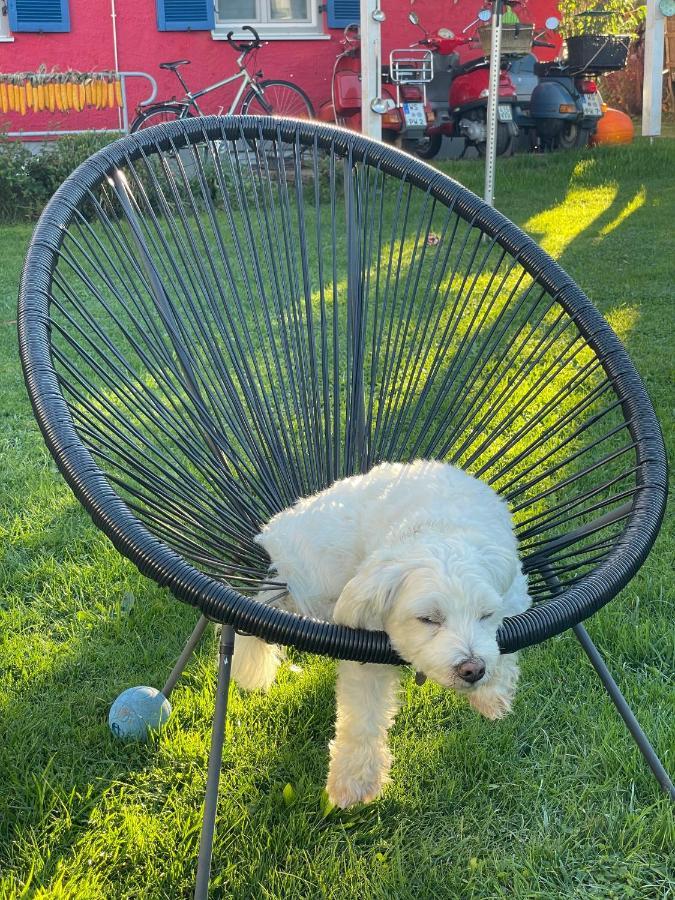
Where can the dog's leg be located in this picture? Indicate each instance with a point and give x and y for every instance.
(255, 663)
(360, 759)
(494, 699)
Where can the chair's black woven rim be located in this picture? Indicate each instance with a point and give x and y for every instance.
(219, 601)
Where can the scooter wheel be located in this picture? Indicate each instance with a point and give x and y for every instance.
(426, 147)
(389, 136)
(572, 137)
(505, 143)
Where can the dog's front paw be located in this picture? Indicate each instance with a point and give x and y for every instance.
(357, 777)
(345, 792)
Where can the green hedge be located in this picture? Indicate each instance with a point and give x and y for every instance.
(27, 180)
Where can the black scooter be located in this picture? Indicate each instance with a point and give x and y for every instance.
(558, 106)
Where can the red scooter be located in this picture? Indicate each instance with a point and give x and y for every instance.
(459, 92)
(406, 115)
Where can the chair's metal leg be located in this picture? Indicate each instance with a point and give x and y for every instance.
(625, 711)
(184, 658)
(225, 651)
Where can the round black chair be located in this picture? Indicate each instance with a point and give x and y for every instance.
(220, 315)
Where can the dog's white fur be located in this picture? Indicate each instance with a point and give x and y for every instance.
(426, 553)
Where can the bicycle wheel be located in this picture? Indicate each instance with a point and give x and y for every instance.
(278, 98)
(155, 115)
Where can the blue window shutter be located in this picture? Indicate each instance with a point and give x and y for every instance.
(39, 15)
(185, 15)
(342, 12)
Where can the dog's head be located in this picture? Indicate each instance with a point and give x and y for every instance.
(441, 611)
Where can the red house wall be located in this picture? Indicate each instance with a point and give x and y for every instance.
(88, 46)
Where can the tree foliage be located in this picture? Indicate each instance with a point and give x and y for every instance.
(604, 17)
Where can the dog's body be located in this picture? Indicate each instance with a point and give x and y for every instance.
(421, 550)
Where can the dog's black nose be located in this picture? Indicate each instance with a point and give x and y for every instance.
(471, 670)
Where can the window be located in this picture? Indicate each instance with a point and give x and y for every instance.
(38, 15)
(4, 23)
(271, 18)
(185, 15)
(344, 12)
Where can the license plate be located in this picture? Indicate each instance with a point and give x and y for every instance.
(504, 113)
(415, 116)
(590, 103)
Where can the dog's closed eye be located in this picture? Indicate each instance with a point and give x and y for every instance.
(486, 617)
(431, 620)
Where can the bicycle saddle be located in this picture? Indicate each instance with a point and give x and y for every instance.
(175, 64)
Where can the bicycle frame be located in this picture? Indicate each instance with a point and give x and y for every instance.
(190, 98)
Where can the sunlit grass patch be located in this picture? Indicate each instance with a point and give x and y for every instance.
(556, 228)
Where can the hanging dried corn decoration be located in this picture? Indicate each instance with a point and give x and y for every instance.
(22, 92)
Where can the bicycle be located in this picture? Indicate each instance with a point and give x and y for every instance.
(273, 97)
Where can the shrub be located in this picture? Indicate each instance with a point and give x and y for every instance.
(21, 196)
(623, 89)
(27, 181)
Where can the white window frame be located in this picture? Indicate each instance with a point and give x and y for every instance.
(312, 29)
(5, 34)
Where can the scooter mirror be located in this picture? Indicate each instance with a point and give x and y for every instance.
(413, 18)
(552, 23)
(485, 15)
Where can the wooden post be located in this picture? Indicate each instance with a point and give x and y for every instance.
(371, 68)
(652, 85)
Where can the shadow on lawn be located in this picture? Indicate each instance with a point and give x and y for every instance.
(73, 777)
(613, 231)
(58, 718)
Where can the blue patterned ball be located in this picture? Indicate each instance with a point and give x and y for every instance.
(136, 711)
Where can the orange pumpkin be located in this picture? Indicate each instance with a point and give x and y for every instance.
(615, 127)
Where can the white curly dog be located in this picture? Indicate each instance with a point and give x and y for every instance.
(422, 551)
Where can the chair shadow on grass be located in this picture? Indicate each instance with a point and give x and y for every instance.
(64, 708)
(71, 770)
(70, 762)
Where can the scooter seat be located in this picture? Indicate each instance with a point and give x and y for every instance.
(542, 69)
(479, 63)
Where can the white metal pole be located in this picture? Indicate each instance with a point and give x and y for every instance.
(113, 13)
(652, 84)
(493, 101)
(371, 68)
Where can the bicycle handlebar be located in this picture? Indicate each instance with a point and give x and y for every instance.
(246, 46)
(543, 44)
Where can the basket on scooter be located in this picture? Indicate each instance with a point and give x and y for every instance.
(597, 52)
(516, 39)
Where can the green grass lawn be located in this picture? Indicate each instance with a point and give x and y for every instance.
(553, 802)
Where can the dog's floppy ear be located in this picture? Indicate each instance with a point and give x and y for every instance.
(500, 564)
(365, 599)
